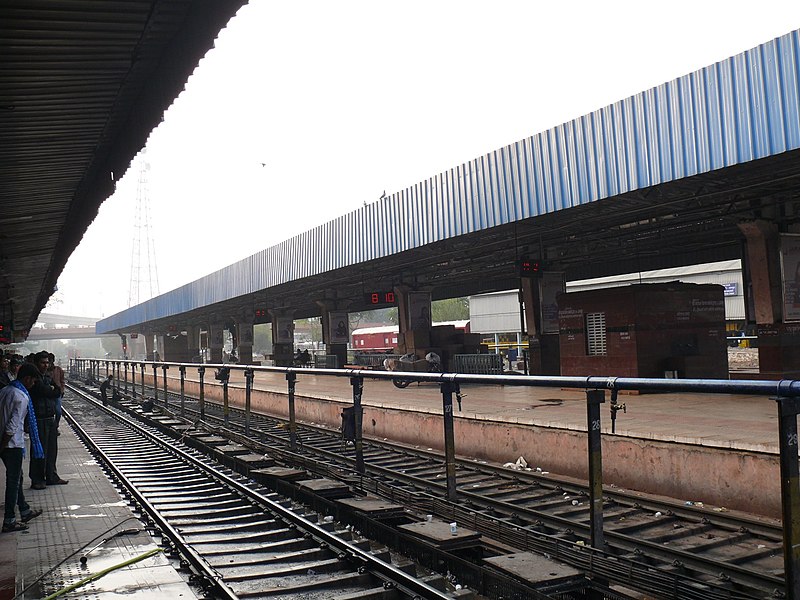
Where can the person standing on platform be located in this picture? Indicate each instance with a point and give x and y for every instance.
(5, 378)
(44, 394)
(15, 407)
(57, 375)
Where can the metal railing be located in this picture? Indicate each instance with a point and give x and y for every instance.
(483, 364)
(786, 394)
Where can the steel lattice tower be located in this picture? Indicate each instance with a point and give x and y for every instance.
(144, 267)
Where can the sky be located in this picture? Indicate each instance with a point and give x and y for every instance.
(305, 111)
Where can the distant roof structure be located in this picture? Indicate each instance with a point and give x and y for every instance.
(83, 84)
(660, 179)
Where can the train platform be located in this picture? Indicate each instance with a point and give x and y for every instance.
(718, 449)
(77, 517)
(728, 421)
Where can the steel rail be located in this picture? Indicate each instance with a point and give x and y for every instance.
(412, 585)
(174, 536)
(707, 566)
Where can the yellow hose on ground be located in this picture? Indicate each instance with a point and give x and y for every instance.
(100, 574)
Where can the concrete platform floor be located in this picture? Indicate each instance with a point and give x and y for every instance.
(73, 516)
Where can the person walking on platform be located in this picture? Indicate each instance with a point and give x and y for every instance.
(104, 389)
(15, 407)
(44, 393)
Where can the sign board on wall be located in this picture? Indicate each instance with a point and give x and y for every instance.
(790, 269)
(551, 284)
(419, 311)
(285, 330)
(338, 328)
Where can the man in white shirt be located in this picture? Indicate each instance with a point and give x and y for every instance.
(14, 404)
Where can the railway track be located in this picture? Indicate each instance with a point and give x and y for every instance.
(241, 539)
(654, 546)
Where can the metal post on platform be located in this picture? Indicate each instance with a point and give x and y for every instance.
(358, 441)
(225, 406)
(448, 388)
(182, 370)
(291, 381)
(133, 381)
(144, 397)
(788, 409)
(164, 377)
(594, 398)
(202, 399)
(155, 382)
(248, 389)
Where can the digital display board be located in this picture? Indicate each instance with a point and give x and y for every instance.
(380, 298)
(529, 267)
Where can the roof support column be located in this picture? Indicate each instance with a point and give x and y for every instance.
(216, 340)
(414, 316)
(192, 343)
(149, 345)
(282, 337)
(763, 270)
(174, 348)
(244, 337)
(767, 278)
(335, 331)
(544, 357)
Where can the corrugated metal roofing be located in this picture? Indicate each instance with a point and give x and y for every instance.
(82, 84)
(728, 114)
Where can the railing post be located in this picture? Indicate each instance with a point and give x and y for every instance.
(248, 389)
(291, 382)
(133, 381)
(164, 375)
(98, 371)
(788, 409)
(594, 398)
(126, 378)
(144, 397)
(182, 370)
(358, 441)
(155, 382)
(202, 399)
(225, 406)
(448, 388)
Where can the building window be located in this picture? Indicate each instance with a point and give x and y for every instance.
(394, 340)
(596, 334)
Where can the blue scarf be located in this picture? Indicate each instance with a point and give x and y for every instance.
(36, 444)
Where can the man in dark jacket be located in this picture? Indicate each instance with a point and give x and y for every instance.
(44, 394)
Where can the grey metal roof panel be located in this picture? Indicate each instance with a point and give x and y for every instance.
(738, 110)
(82, 84)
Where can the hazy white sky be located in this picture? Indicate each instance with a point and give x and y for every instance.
(343, 100)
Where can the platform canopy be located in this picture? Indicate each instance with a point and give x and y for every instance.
(82, 84)
(664, 178)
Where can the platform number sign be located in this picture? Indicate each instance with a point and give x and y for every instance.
(379, 298)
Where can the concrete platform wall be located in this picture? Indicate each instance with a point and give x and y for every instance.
(734, 479)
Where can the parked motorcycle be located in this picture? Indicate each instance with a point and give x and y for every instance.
(432, 363)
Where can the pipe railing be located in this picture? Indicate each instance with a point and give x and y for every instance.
(785, 392)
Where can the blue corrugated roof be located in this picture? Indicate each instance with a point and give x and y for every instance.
(741, 109)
